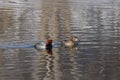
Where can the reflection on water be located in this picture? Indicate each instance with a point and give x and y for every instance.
(96, 23)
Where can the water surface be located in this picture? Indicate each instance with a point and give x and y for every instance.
(25, 22)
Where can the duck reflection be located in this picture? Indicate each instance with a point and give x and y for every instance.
(49, 51)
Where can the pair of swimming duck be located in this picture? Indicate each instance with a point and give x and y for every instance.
(48, 45)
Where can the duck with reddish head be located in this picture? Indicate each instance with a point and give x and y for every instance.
(44, 45)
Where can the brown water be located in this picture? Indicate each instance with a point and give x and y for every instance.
(96, 23)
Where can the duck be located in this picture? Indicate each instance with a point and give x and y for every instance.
(44, 45)
(72, 42)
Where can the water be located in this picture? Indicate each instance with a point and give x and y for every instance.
(25, 22)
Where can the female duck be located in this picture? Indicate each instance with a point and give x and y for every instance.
(71, 43)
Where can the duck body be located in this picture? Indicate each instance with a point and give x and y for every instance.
(71, 43)
(68, 43)
(40, 46)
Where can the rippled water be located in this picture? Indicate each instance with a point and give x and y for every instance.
(25, 22)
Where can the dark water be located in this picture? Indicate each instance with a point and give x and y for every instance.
(96, 23)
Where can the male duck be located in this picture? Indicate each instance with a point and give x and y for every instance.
(43, 45)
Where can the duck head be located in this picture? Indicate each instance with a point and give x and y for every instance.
(74, 39)
(49, 44)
